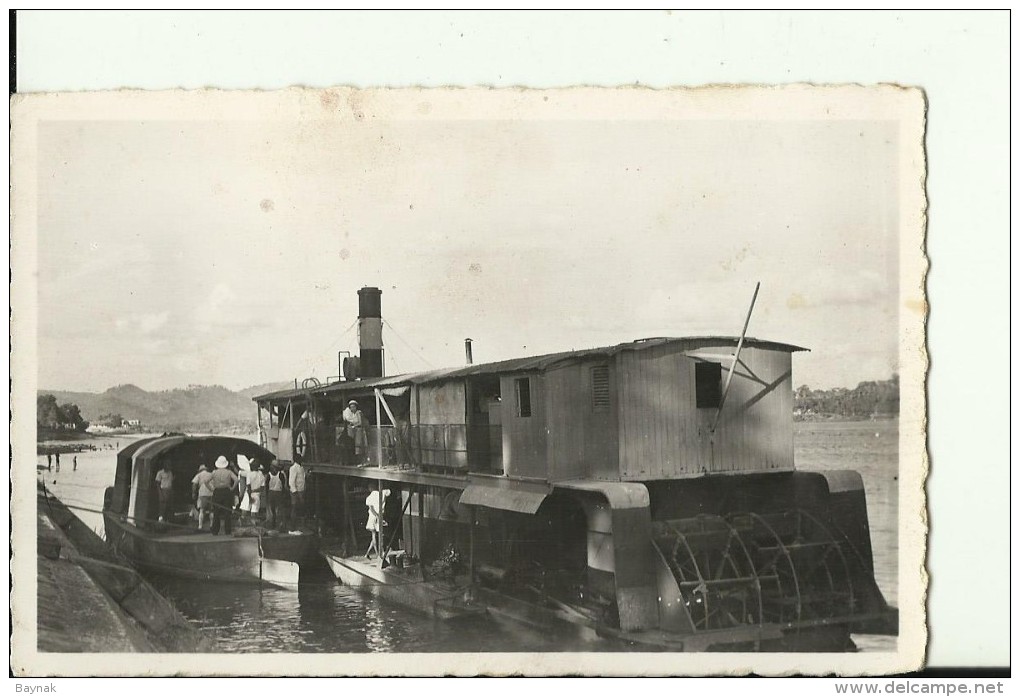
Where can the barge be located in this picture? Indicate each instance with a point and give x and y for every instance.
(176, 547)
(645, 491)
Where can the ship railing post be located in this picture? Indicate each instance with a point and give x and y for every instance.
(420, 539)
(290, 413)
(379, 522)
(263, 441)
(349, 515)
(471, 549)
(378, 430)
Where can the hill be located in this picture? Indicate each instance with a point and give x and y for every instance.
(197, 408)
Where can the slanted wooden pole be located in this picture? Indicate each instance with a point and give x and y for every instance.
(396, 528)
(736, 357)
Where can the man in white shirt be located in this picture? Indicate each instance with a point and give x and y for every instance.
(352, 415)
(296, 482)
(256, 484)
(165, 482)
(376, 509)
(277, 495)
(354, 421)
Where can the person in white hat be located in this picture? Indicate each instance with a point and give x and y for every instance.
(223, 481)
(353, 420)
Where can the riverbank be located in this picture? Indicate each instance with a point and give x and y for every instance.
(90, 601)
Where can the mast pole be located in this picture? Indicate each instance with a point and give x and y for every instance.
(736, 357)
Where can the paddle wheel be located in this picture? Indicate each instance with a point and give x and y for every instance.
(750, 569)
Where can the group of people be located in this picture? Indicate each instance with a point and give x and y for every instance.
(49, 461)
(219, 490)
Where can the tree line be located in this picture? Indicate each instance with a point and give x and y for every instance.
(879, 398)
(51, 415)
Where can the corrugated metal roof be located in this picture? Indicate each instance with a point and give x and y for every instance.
(516, 365)
(229, 445)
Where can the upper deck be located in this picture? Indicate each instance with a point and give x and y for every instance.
(652, 409)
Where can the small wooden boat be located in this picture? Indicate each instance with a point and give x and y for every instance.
(440, 598)
(130, 513)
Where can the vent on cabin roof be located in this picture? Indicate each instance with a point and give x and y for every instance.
(600, 389)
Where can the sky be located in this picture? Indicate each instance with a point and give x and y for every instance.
(173, 253)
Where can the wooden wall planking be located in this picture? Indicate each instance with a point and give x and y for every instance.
(524, 437)
(664, 435)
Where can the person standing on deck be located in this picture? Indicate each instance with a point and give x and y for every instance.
(277, 494)
(201, 487)
(354, 421)
(58, 460)
(239, 489)
(256, 485)
(376, 508)
(296, 482)
(224, 484)
(74, 463)
(165, 482)
(49, 461)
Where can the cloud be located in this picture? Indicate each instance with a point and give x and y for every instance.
(221, 309)
(142, 324)
(828, 288)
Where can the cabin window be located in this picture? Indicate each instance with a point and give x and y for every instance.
(523, 389)
(708, 384)
(600, 389)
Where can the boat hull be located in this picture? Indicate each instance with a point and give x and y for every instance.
(406, 587)
(213, 557)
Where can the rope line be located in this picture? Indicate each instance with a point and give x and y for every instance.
(311, 357)
(408, 345)
(89, 509)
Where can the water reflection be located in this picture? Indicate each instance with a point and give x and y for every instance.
(376, 635)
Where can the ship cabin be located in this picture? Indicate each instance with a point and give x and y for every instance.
(642, 411)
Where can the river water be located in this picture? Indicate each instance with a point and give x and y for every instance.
(329, 618)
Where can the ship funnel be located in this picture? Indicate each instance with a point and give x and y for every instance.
(467, 352)
(370, 346)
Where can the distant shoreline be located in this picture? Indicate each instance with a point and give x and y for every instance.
(46, 434)
(812, 418)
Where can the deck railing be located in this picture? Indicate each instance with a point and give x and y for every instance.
(477, 448)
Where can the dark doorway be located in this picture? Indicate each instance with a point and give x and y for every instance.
(484, 425)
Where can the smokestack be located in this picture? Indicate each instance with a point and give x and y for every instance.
(467, 352)
(370, 333)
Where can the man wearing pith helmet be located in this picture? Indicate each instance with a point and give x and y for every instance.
(352, 415)
(223, 483)
(353, 422)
